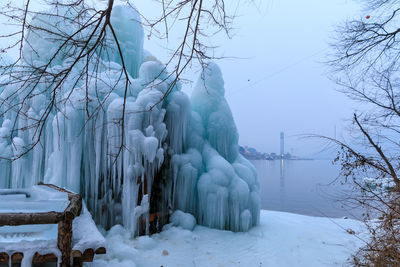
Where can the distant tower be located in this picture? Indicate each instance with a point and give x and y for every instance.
(334, 132)
(282, 143)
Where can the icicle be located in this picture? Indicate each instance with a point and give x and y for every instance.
(185, 150)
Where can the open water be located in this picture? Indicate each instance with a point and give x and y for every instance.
(309, 187)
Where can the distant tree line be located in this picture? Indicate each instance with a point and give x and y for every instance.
(252, 154)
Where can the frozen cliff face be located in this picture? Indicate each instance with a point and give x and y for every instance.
(135, 154)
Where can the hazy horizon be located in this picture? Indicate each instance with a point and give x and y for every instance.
(278, 82)
(275, 78)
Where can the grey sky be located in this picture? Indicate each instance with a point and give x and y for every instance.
(282, 84)
(288, 88)
(279, 84)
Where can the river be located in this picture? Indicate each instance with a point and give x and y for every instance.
(309, 187)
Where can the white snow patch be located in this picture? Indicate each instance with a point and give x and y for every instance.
(380, 183)
(281, 239)
(84, 232)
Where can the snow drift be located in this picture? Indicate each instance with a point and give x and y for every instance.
(178, 153)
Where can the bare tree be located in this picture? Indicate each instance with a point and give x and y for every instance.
(91, 35)
(70, 43)
(366, 60)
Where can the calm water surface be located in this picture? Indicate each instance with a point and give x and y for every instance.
(303, 186)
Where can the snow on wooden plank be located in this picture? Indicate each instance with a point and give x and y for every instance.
(26, 241)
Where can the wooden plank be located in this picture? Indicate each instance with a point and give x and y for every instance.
(64, 241)
(73, 210)
(87, 256)
(58, 189)
(4, 257)
(38, 258)
(77, 262)
(75, 206)
(17, 257)
(100, 250)
(76, 254)
(20, 218)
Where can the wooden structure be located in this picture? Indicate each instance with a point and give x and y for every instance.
(64, 239)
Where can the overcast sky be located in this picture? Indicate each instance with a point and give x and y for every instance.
(280, 81)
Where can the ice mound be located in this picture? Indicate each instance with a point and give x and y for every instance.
(185, 220)
(165, 153)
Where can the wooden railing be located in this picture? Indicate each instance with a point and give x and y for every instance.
(64, 239)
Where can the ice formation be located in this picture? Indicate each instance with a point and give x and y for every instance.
(180, 153)
(180, 219)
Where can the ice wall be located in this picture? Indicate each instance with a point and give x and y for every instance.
(164, 154)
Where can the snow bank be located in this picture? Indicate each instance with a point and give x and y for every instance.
(379, 183)
(281, 239)
(179, 153)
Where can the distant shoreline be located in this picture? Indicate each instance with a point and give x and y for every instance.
(298, 159)
(286, 159)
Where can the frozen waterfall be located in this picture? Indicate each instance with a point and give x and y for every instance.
(170, 154)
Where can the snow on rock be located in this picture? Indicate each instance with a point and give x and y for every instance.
(281, 239)
(185, 149)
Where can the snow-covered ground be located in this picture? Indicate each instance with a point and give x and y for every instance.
(281, 239)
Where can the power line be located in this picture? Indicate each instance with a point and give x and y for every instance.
(271, 75)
